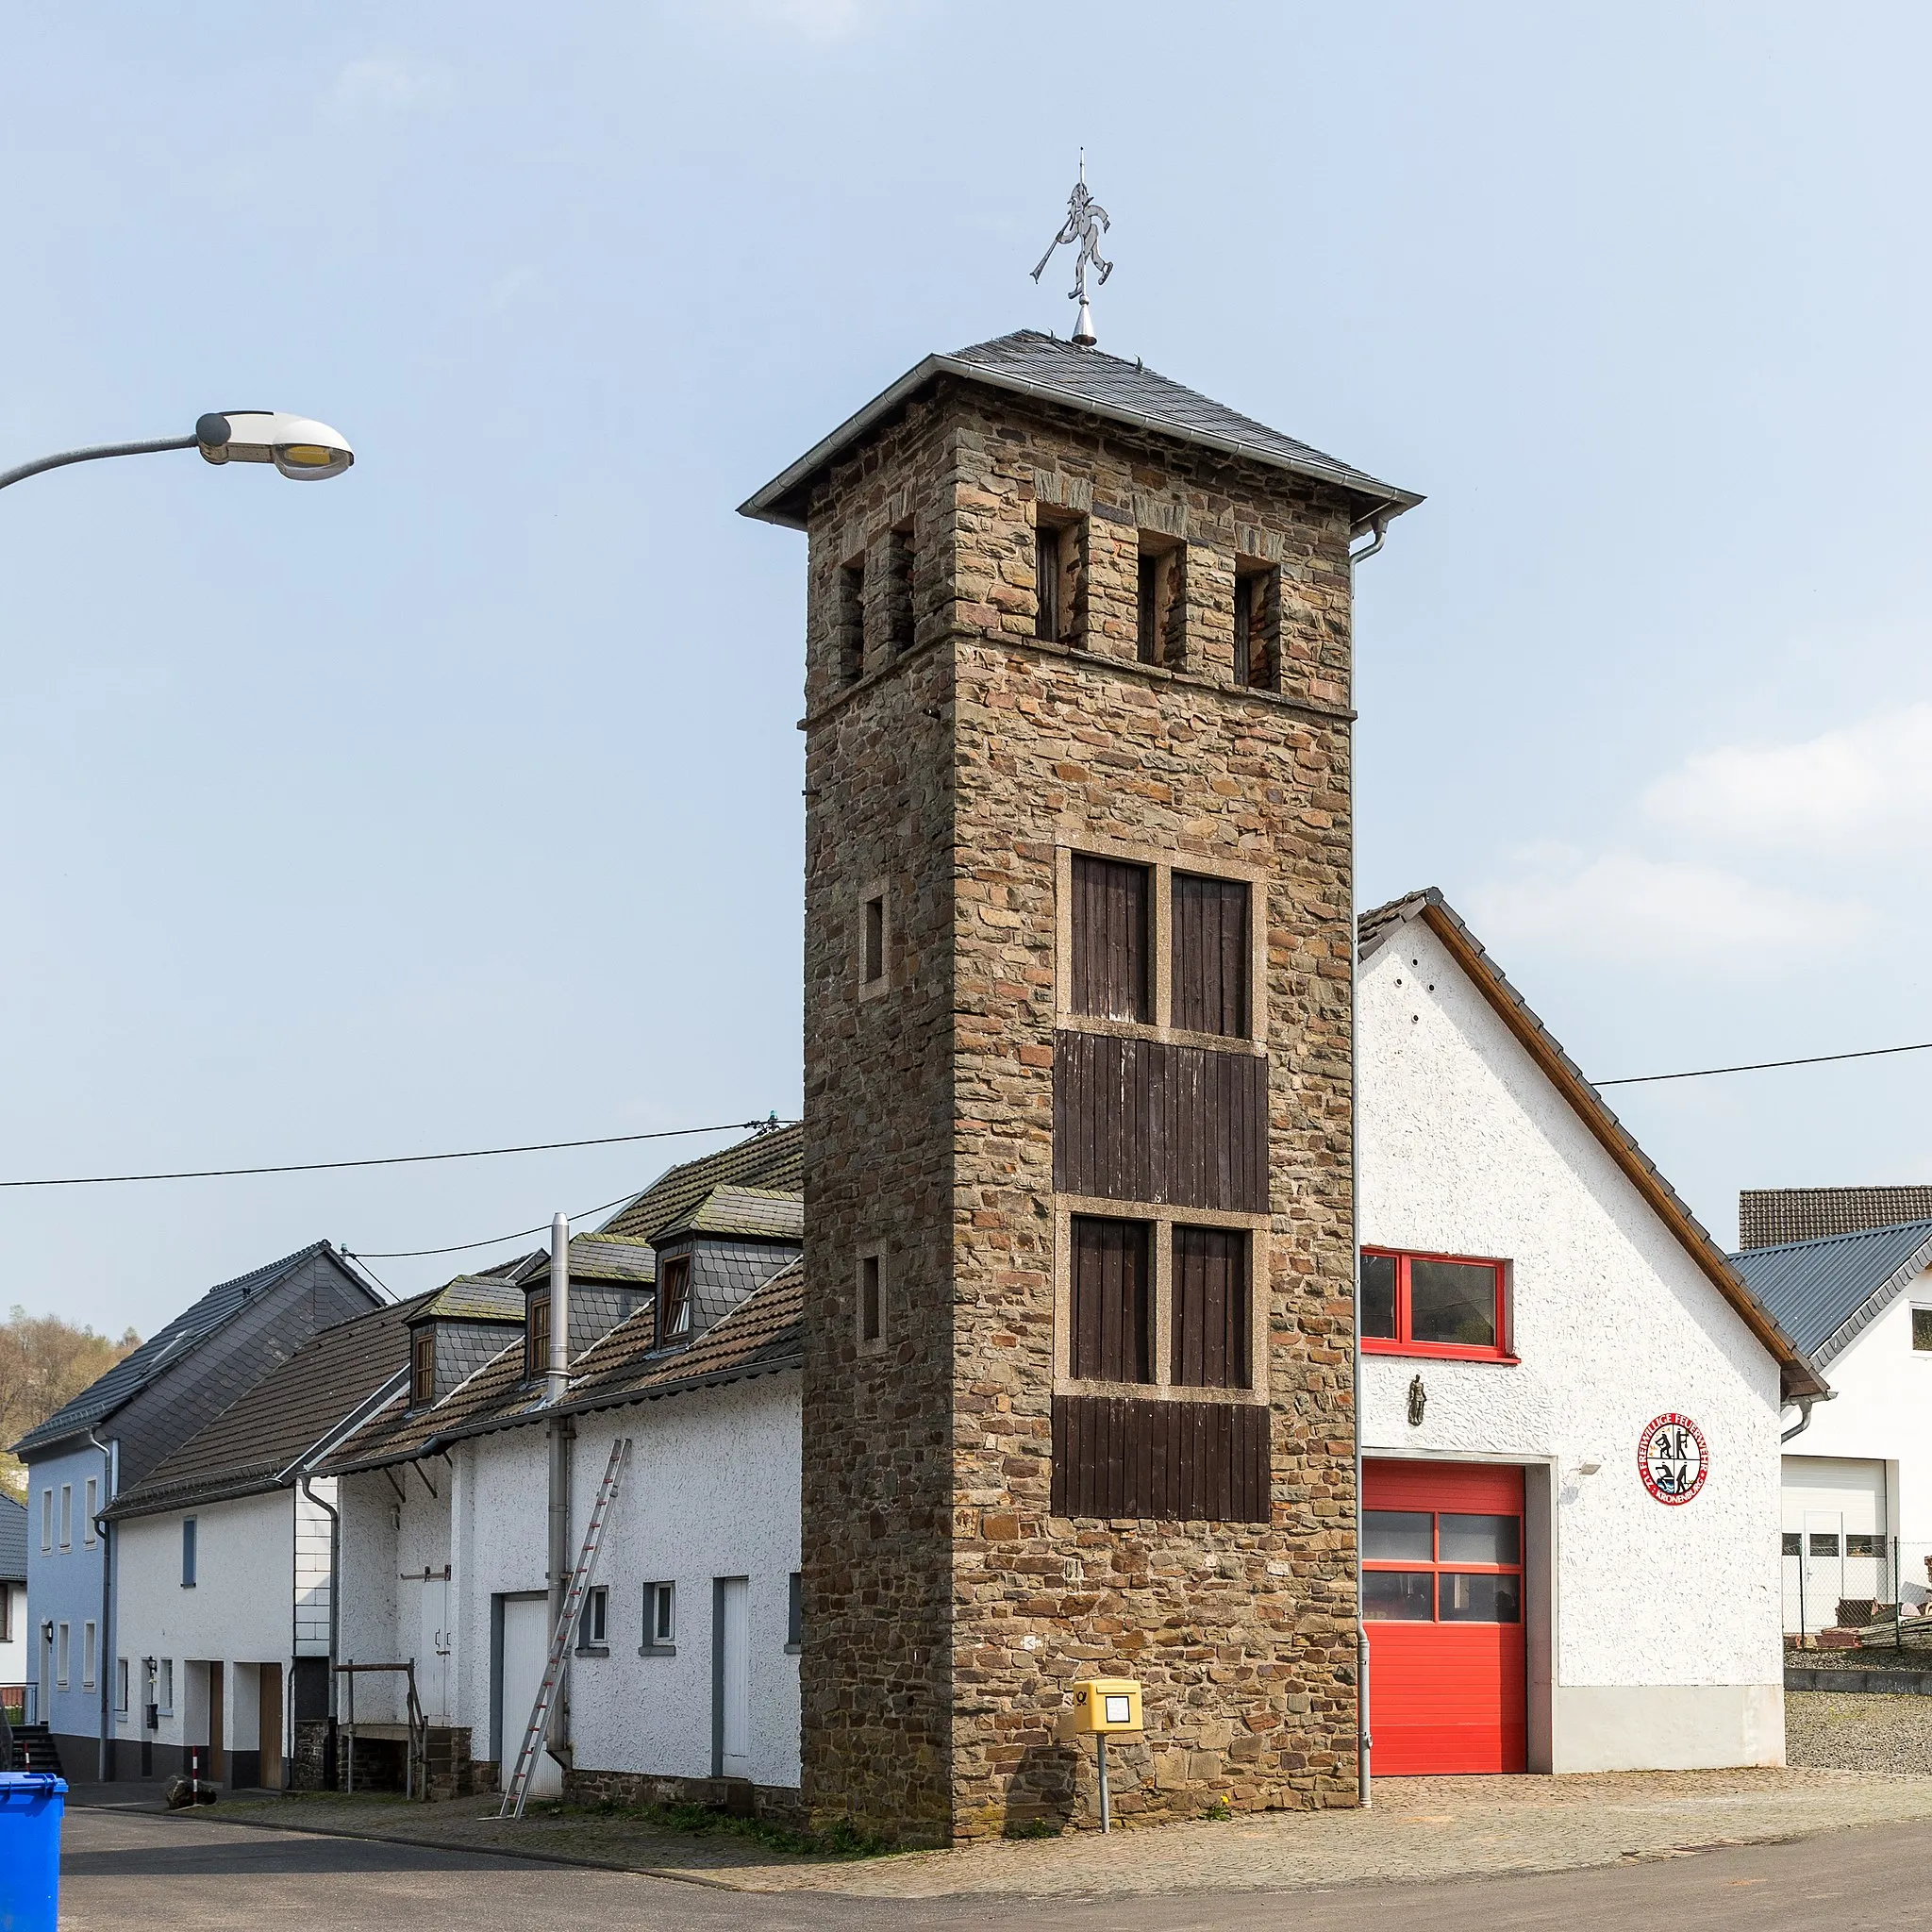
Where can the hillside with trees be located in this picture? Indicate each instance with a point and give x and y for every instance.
(44, 1363)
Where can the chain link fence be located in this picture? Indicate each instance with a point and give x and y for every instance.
(1844, 1580)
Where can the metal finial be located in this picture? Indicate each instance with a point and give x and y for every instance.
(1084, 224)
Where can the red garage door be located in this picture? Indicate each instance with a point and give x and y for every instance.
(1442, 1584)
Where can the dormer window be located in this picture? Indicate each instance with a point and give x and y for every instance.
(421, 1367)
(673, 1300)
(537, 1335)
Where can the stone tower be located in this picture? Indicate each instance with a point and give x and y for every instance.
(1079, 1232)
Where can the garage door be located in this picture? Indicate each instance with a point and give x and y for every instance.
(1835, 1541)
(1442, 1587)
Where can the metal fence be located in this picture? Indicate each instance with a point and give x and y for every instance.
(21, 1703)
(1834, 1579)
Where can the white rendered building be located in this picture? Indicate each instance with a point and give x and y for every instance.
(1570, 1403)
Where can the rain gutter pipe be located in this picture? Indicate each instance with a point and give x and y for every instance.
(562, 1433)
(102, 1649)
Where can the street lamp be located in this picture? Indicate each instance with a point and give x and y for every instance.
(301, 448)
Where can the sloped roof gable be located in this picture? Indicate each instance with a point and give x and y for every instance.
(1825, 1292)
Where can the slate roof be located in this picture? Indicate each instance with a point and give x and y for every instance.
(163, 1350)
(1041, 366)
(773, 1159)
(758, 1213)
(1375, 927)
(618, 1257)
(1771, 1217)
(762, 1336)
(251, 1446)
(473, 1298)
(13, 1540)
(1825, 1292)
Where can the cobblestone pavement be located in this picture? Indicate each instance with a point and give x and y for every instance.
(1419, 1828)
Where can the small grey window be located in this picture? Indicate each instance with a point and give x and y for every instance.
(61, 1635)
(660, 1620)
(167, 1690)
(794, 1611)
(1824, 1543)
(1795, 1542)
(188, 1553)
(92, 1510)
(66, 1516)
(1858, 1544)
(121, 1685)
(1921, 1329)
(46, 1520)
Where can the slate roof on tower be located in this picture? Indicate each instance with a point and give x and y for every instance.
(1048, 370)
(1377, 926)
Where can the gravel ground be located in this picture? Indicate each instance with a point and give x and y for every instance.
(1419, 1828)
(1858, 1731)
(1883, 1657)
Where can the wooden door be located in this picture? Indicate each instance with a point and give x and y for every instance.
(270, 1720)
(1442, 1584)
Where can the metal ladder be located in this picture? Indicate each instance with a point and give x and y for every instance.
(516, 1792)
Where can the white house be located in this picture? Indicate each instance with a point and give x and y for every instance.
(1570, 1403)
(1858, 1469)
(223, 1566)
(14, 1652)
(684, 1324)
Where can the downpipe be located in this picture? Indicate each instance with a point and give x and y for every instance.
(103, 1648)
(335, 1629)
(562, 1433)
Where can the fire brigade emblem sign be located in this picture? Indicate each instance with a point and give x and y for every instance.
(1672, 1459)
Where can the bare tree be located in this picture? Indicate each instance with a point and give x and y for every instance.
(45, 1362)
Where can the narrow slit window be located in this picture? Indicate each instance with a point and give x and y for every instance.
(873, 942)
(1047, 578)
(92, 1503)
(66, 1516)
(86, 1655)
(1160, 609)
(1113, 1301)
(1112, 904)
(673, 1300)
(188, 1553)
(899, 588)
(871, 1309)
(850, 621)
(1208, 922)
(1258, 628)
(1212, 1303)
(591, 1625)
(121, 1685)
(794, 1611)
(1147, 625)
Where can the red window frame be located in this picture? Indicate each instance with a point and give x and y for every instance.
(1418, 1490)
(1400, 1343)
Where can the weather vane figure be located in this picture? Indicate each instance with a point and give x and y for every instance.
(1085, 224)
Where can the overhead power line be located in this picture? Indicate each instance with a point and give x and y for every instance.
(1815, 1059)
(465, 1247)
(217, 1174)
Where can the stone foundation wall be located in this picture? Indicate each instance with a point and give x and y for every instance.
(774, 1803)
(947, 1610)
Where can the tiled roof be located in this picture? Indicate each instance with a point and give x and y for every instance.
(1824, 1291)
(1373, 930)
(251, 1445)
(761, 1213)
(761, 1337)
(773, 1159)
(1043, 366)
(163, 1350)
(473, 1298)
(1769, 1217)
(13, 1540)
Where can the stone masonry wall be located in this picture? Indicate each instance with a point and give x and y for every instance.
(947, 1611)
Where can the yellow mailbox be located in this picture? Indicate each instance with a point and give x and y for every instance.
(1103, 1706)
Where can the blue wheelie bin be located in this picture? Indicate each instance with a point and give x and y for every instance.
(31, 1806)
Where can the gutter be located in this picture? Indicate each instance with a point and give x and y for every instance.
(1806, 1404)
(334, 1597)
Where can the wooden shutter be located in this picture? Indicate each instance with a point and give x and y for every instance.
(1210, 1307)
(1211, 949)
(1111, 1301)
(1123, 1455)
(1046, 577)
(1110, 939)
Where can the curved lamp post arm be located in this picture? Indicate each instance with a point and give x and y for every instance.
(88, 456)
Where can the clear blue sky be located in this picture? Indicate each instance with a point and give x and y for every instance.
(458, 801)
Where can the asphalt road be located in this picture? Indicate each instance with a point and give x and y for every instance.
(138, 1868)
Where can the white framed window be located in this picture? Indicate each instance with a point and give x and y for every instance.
(47, 1520)
(164, 1696)
(66, 1516)
(61, 1634)
(594, 1620)
(86, 1655)
(93, 1504)
(1922, 1331)
(660, 1620)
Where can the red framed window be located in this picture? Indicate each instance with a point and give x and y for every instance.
(1462, 1565)
(1434, 1304)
